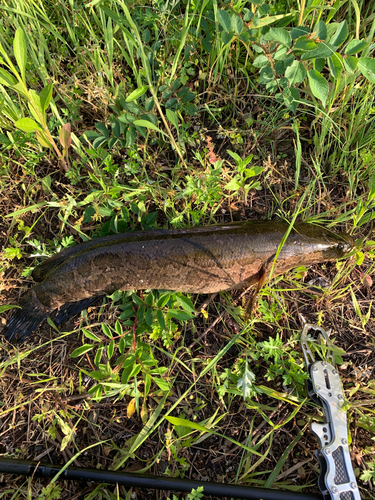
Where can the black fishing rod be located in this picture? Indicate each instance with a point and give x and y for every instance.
(48, 471)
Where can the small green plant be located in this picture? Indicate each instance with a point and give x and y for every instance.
(37, 103)
(50, 492)
(363, 317)
(369, 474)
(134, 115)
(240, 181)
(195, 494)
(121, 355)
(288, 58)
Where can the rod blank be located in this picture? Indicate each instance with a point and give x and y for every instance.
(30, 468)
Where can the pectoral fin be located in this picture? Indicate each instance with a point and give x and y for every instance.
(263, 275)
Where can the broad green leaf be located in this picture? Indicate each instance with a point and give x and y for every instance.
(89, 135)
(118, 326)
(149, 104)
(7, 307)
(281, 53)
(148, 317)
(137, 93)
(237, 158)
(116, 128)
(172, 117)
(5, 140)
(19, 47)
(90, 335)
(34, 114)
(360, 257)
(102, 129)
(130, 106)
(319, 85)
(237, 24)
(162, 384)
(107, 331)
(111, 349)
(305, 44)
(366, 66)
(224, 19)
(299, 31)
(7, 79)
(131, 135)
(279, 35)
(97, 375)
(160, 318)
(350, 63)
(341, 34)
(46, 95)
(163, 299)
(146, 35)
(320, 30)
(81, 350)
(335, 65)
(371, 187)
(271, 86)
(147, 124)
(189, 96)
(319, 64)
(265, 21)
(112, 141)
(355, 46)
(226, 37)
(186, 303)
(36, 107)
(323, 50)
(291, 98)
(248, 15)
(180, 315)
(98, 142)
(43, 139)
(253, 171)
(260, 61)
(266, 75)
(19, 88)
(233, 185)
(295, 73)
(27, 125)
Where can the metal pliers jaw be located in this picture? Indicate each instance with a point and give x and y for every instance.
(337, 480)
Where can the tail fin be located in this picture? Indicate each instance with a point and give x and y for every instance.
(72, 308)
(26, 320)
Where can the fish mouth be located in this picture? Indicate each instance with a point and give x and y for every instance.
(347, 243)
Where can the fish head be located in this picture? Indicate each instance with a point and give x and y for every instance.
(309, 244)
(338, 245)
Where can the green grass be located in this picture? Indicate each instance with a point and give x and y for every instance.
(173, 115)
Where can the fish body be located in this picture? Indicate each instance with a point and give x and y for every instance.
(197, 260)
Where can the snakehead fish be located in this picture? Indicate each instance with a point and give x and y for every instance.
(196, 260)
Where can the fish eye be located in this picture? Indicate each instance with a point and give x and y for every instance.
(340, 247)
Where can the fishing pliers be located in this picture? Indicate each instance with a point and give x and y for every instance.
(337, 480)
